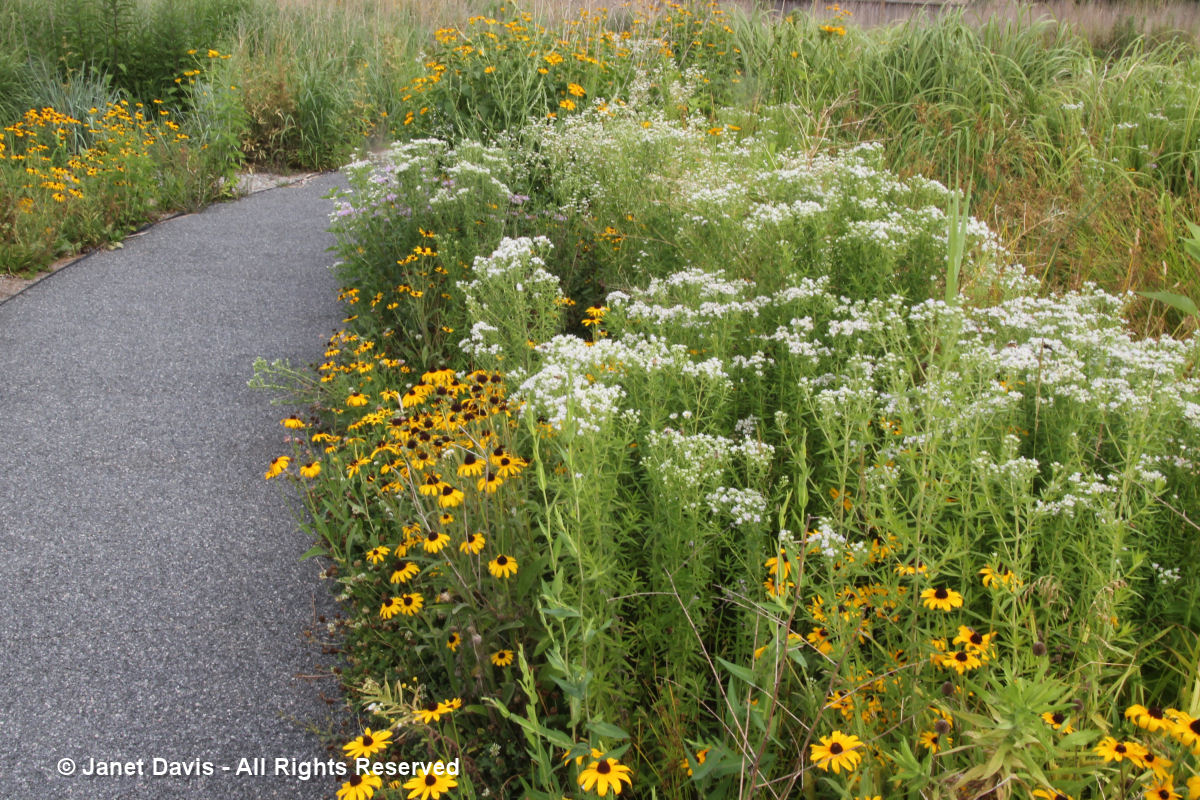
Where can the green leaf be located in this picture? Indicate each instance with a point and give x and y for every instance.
(607, 730)
(314, 551)
(740, 672)
(1175, 301)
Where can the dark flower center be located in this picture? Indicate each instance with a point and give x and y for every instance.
(836, 748)
(407, 600)
(367, 741)
(430, 780)
(941, 594)
(469, 459)
(1155, 711)
(1059, 717)
(1194, 726)
(1120, 748)
(432, 705)
(502, 560)
(960, 656)
(355, 780)
(447, 490)
(976, 639)
(603, 767)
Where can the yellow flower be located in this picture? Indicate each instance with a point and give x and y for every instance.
(360, 787)
(430, 712)
(390, 608)
(837, 751)
(1051, 794)
(931, 741)
(357, 399)
(434, 541)
(502, 658)
(941, 598)
(701, 757)
(605, 774)
(575, 89)
(429, 784)
(377, 554)
(1163, 789)
(410, 604)
(1111, 750)
(277, 467)
(502, 566)
(1193, 785)
(293, 422)
(449, 497)
(310, 470)
(370, 743)
(567, 103)
(454, 641)
(405, 572)
(1151, 718)
(1058, 721)
(474, 544)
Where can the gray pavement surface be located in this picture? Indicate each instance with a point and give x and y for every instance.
(152, 604)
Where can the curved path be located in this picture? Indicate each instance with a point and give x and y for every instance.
(152, 604)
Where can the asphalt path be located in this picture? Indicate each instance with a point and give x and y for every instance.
(152, 601)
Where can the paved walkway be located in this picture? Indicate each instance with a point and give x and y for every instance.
(151, 600)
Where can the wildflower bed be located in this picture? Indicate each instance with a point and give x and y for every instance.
(659, 459)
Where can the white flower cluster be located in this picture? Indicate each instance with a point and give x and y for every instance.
(744, 506)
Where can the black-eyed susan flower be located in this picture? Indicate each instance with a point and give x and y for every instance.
(377, 554)
(975, 641)
(779, 564)
(357, 399)
(941, 599)
(471, 466)
(405, 572)
(360, 787)
(473, 544)
(1052, 794)
(367, 745)
(1184, 728)
(277, 467)
(434, 541)
(432, 486)
(490, 482)
(453, 641)
(432, 711)
(1112, 750)
(293, 422)
(932, 741)
(502, 658)
(1193, 787)
(819, 638)
(390, 608)
(1152, 718)
(960, 661)
(310, 470)
(1159, 765)
(605, 774)
(837, 751)
(502, 566)
(449, 496)
(912, 567)
(429, 785)
(411, 603)
(1058, 721)
(1162, 789)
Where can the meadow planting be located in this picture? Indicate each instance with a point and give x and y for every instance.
(728, 404)
(677, 447)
